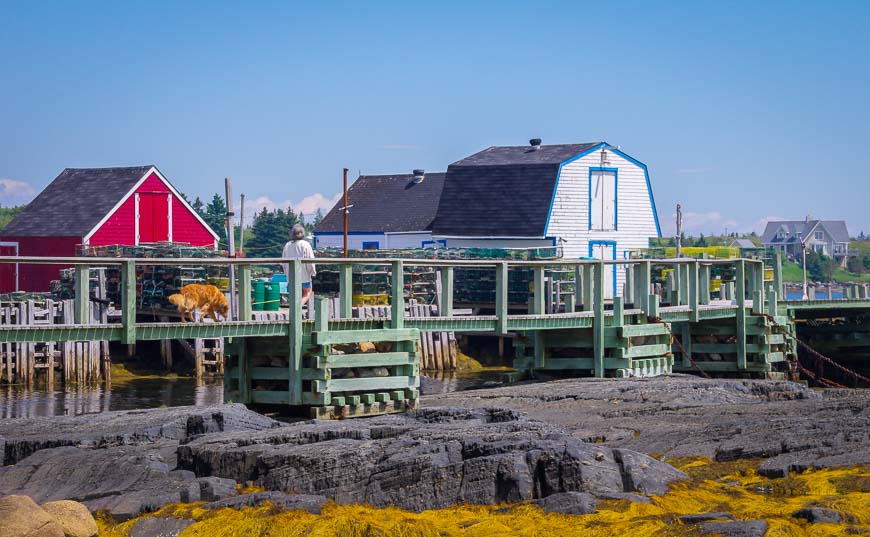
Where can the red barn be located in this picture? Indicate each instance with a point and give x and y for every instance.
(96, 206)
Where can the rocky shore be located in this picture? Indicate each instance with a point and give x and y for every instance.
(564, 445)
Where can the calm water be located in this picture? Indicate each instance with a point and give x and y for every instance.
(797, 295)
(18, 402)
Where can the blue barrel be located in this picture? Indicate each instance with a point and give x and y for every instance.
(273, 296)
(259, 295)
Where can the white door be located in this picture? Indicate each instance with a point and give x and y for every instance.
(606, 251)
(602, 199)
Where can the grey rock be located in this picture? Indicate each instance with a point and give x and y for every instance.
(637, 498)
(306, 502)
(24, 436)
(159, 527)
(792, 426)
(819, 515)
(216, 488)
(123, 480)
(425, 459)
(743, 528)
(568, 503)
(697, 518)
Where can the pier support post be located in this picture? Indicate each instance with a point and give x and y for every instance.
(446, 306)
(772, 305)
(643, 286)
(345, 291)
(588, 275)
(758, 286)
(683, 271)
(598, 321)
(244, 287)
(578, 285)
(704, 284)
(740, 295)
(653, 301)
(82, 283)
(397, 299)
(128, 303)
(629, 292)
(501, 297)
(777, 274)
(294, 292)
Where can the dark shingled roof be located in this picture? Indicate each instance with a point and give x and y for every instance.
(836, 228)
(74, 202)
(502, 191)
(388, 203)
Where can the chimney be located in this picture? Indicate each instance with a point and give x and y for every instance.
(419, 175)
(535, 143)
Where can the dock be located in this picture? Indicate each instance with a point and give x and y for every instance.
(647, 331)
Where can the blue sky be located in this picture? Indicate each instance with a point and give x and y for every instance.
(742, 111)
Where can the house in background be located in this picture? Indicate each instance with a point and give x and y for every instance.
(827, 237)
(592, 199)
(96, 206)
(743, 244)
(387, 211)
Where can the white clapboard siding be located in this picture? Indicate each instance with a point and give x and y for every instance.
(385, 240)
(570, 215)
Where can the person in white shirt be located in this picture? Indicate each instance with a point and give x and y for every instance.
(298, 248)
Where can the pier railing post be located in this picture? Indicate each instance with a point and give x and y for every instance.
(683, 271)
(345, 291)
(321, 314)
(501, 297)
(294, 292)
(740, 295)
(588, 276)
(446, 306)
(244, 287)
(772, 305)
(777, 274)
(82, 284)
(704, 284)
(694, 291)
(653, 306)
(758, 286)
(643, 286)
(629, 292)
(598, 321)
(128, 302)
(578, 285)
(540, 294)
(397, 298)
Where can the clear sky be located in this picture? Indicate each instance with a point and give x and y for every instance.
(742, 111)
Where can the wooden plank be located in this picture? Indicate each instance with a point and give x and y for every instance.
(345, 285)
(294, 292)
(128, 302)
(370, 360)
(334, 337)
(371, 383)
(501, 296)
(598, 322)
(244, 287)
(740, 314)
(640, 351)
(636, 330)
(539, 296)
(397, 298)
(446, 304)
(82, 284)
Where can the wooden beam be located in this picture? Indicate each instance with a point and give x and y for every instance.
(397, 298)
(598, 322)
(244, 288)
(501, 296)
(345, 290)
(539, 296)
(588, 275)
(82, 283)
(294, 292)
(694, 290)
(446, 307)
(740, 314)
(128, 302)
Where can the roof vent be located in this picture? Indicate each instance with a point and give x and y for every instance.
(535, 143)
(419, 175)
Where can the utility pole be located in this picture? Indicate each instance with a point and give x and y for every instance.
(804, 252)
(231, 250)
(679, 231)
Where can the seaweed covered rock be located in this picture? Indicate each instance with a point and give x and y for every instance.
(426, 459)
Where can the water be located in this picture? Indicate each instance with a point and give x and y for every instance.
(797, 295)
(138, 393)
(129, 394)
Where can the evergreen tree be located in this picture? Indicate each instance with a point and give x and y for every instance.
(269, 232)
(215, 214)
(318, 217)
(702, 242)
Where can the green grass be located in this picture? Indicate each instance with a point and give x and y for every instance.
(793, 273)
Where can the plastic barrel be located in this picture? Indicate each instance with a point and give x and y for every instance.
(273, 296)
(259, 295)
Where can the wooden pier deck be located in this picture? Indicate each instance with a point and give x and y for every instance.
(645, 332)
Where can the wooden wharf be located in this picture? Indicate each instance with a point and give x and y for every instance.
(299, 362)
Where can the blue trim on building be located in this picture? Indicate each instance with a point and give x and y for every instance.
(606, 243)
(367, 244)
(615, 195)
(648, 185)
(554, 239)
(559, 176)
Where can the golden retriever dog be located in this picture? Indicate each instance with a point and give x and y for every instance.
(207, 298)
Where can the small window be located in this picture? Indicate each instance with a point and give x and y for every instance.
(781, 234)
(819, 235)
(374, 245)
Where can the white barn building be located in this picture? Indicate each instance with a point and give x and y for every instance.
(592, 199)
(387, 212)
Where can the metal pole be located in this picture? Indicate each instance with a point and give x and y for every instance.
(242, 225)
(679, 231)
(345, 212)
(231, 250)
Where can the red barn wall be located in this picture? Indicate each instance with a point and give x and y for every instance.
(37, 277)
(120, 228)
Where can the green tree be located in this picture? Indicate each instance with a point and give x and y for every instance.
(214, 214)
(820, 267)
(269, 232)
(8, 213)
(318, 217)
(702, 242)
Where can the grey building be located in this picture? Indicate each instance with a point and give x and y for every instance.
(827, 237)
